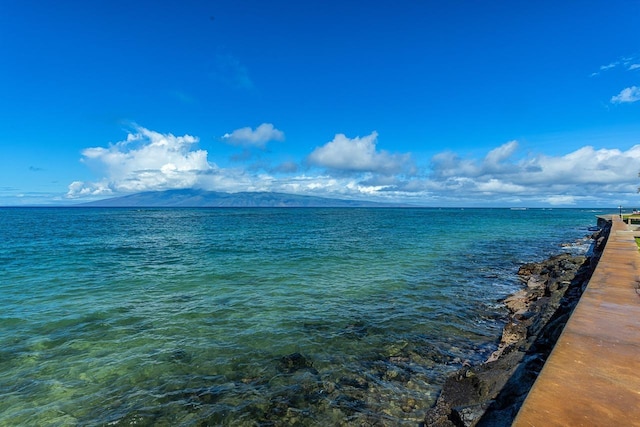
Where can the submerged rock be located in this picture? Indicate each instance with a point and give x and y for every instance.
(355, 330)
(293, 362)
(354, 381)
(491, 394)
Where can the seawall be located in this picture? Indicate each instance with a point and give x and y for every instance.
(491, 394)
(592, 377)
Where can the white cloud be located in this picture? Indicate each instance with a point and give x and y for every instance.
(84, 189)
(247, 137)
(355, 168)
(625, 62)
(448, 164)
(358, 155)
(494, 185)
(329, 186)
(502, 153)
(627, 95)
(605, 68)
(561, 200)
(146, 160)
(544, 179)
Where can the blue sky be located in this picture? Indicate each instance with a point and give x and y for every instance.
(456, 103)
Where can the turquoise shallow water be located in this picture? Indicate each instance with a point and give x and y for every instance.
(254, 316)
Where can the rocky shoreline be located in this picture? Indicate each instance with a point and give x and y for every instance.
(491, 394)
(388, 387)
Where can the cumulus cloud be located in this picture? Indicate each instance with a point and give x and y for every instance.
(449, 164)
(85, 189)
(356, 168)
(545, 179)
(358, 155)
(247, 137)
(146, 160)
(331, 186)
(627, 95)
(498, 155)
(564, 200)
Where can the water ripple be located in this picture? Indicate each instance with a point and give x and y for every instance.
(184, 316)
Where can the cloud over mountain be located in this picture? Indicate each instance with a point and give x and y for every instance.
(357, 168)
(145, 160)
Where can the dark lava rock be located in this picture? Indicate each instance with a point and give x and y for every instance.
(294, 362)
(180, 355)
(349, 404)
(492, 393)
(354, 381)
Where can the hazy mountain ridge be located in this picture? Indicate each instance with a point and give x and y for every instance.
(202, 198)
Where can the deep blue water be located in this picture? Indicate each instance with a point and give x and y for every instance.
(184, 317)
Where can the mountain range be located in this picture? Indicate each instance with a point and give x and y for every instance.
(201, 198)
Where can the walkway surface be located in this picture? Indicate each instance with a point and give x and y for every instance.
(592, 377)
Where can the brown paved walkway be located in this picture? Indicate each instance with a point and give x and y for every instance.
(592, 377)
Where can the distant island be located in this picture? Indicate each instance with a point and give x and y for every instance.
(189, 198)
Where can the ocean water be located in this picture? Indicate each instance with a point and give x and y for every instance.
(266, 317)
